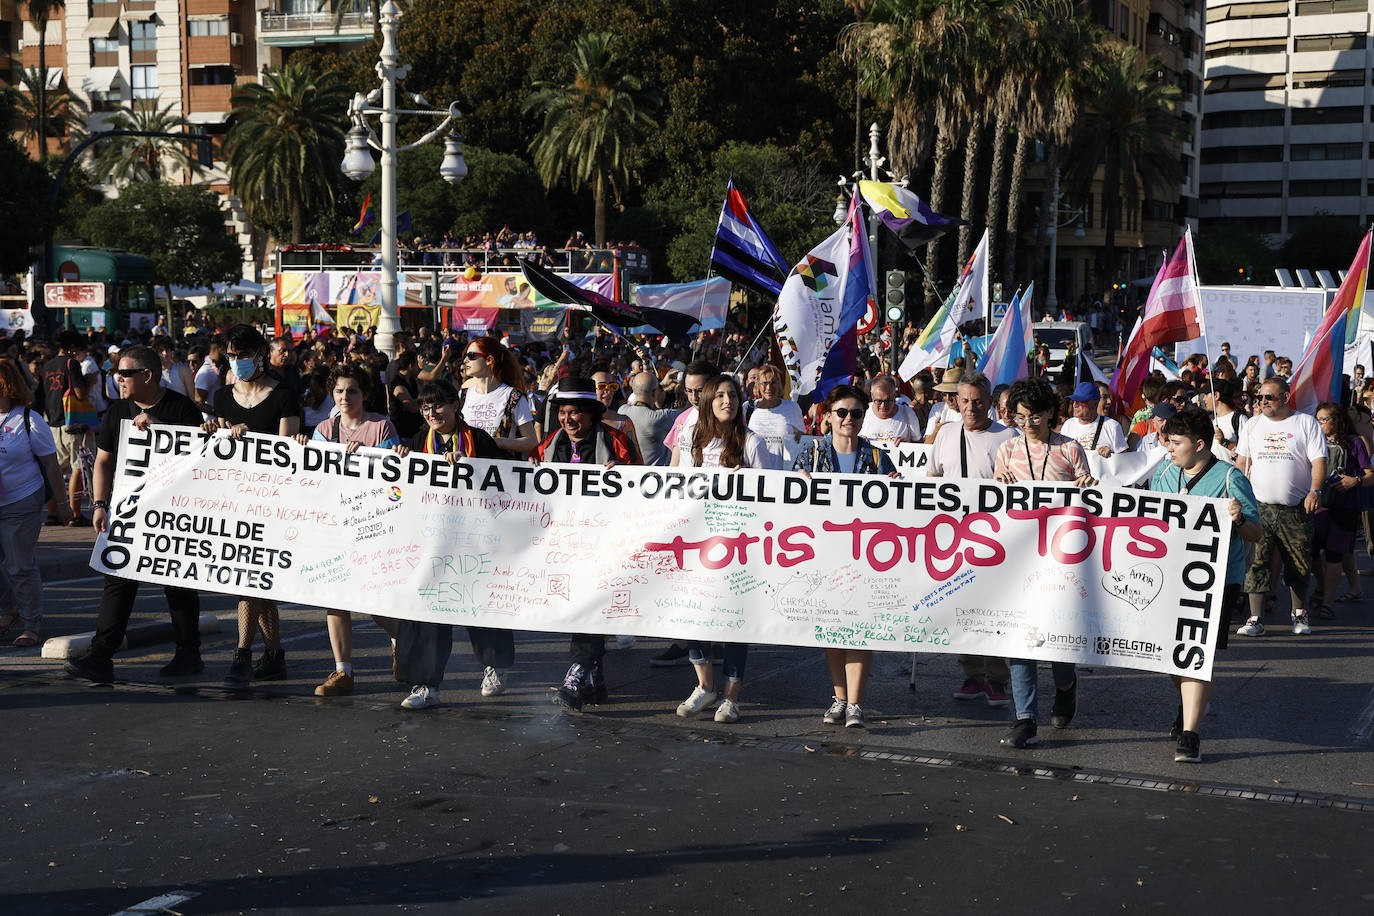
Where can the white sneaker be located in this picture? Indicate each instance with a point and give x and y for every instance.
(1300, 625)
(492, 685)
(727, 711)
(1252, 627)
(624, 642)
(699, 700)
(421, 697)
(835, 714)
(854, 717)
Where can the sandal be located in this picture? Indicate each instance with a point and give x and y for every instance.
(1324, 612)
(1351, 596)
(7, 622)
(27, 640)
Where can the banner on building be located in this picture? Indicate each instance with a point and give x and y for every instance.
(1103, 576)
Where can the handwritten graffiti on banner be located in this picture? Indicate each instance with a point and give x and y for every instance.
(1046, 571)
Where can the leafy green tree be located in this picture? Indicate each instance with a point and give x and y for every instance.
(129, 159)
(23, 190)
(1125, 129)
(180, 228)
(286, 143)
(1225, 248)
(592, 123)
(40, 11)
(1322, 242)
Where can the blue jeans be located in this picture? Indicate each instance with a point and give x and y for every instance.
(21, 589)
(1023, 683)
(736, 654)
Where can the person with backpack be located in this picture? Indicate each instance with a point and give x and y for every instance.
(65, 384)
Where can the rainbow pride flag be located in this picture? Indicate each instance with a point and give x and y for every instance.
(1317, 376)
(368, 214)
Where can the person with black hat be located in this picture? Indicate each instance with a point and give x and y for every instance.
(582, 438)
(1094, 431)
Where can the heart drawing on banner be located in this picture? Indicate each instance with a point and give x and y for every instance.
(1137, 586)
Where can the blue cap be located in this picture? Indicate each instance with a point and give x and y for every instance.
(1085, 391)
(1164, 411)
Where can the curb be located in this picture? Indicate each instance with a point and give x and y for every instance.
(56, 569)
(137, 636)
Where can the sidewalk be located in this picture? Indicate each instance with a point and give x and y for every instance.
(65, 553)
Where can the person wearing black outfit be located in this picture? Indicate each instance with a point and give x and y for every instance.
(423, 649)
(144, 401)
(257, 402)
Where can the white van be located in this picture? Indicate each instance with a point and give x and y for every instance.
(1058, 334)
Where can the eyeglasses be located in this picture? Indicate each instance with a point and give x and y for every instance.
(434, 408)
(884, 401)
(1032, 420)
(844, 413)
(129, 373)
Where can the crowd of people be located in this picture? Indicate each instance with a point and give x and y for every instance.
(1296, 485)
(504, 249)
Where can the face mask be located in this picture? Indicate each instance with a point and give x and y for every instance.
(244, 369)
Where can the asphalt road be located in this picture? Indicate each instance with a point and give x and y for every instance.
(274, 801)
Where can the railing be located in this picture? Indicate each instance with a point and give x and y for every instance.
(575, 260)
(314, 22)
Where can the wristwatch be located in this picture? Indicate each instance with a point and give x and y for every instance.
(100, 504)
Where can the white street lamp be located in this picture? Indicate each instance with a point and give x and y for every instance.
(1073, 217)
(357, 162)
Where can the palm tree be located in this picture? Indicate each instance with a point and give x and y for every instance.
(1125, 129)
(126, 159)
(66, 114)
(39, 13)
(285, 144)
(591, 123)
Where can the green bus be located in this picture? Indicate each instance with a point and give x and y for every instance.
(124, 299)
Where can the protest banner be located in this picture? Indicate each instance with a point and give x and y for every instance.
(1047, 571)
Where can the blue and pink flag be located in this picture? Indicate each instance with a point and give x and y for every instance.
(1172, 312)
(820, 306)
(1004, 361)
(1317, 376)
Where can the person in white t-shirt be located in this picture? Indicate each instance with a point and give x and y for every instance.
(494, 396)
(945, 410)
(1088, 426)
(969, 449)
(889, 422)
(1284, 455)
(772, 416)
(1228, 423)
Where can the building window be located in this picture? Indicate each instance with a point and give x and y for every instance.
(1271, 10)
(1327, 7)
(1233, 189)
(1264, 117)
(1246, 47)
(201, 27)
(1232, 155)
(142, 36)
(1328, 187)
(1326, 79)
(104, 52)
(144, 81)
(213, 76)
(1323, 152)
(1242, 82)
(1348, 114)
(1329, 43)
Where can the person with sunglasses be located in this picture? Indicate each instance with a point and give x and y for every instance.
(969, 449)
(493, 396)
(608, 392)
(1285, 456)
(844, 450)
(1039, 454)
(889, 421)
(144, 401)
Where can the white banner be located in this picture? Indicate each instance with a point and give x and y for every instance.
(1048, 571)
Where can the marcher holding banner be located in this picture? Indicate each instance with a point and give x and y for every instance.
(1196, 471)
(888, 420)
(1093, 429)
(423, 649)
(970, 450)
(720, 440)
(352, 427)
(844, 451)
(581, 438)
(144, 401)
(1039, 454)
(493, 396)
(256, 402)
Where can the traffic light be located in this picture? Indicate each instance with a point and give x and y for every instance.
(896, 295)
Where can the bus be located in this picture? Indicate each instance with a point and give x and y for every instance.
(476, 290)
(100, 288)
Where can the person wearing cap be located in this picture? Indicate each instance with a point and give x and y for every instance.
(1153, 440)
(582, 438)
(947, 410)
(969, 449)
(1092, 430)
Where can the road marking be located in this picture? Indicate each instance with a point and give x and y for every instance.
(160, 904)
(1363, 726)
(84, 580)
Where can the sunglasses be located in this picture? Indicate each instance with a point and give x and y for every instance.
(1268, 397)
(129, 373)
(472, 354)
(606, 386)
(844, 413)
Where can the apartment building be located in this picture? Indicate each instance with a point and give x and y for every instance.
(1286, 126)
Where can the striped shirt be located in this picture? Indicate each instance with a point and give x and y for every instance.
(1062, 459)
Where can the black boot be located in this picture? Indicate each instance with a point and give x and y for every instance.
(594, 687)
(272, 666)
(573, 689)
(240, 669)
(186, 663)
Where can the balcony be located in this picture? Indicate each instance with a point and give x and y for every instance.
(210, 99)
(298, 29)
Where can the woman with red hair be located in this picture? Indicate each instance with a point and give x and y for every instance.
(493, 396)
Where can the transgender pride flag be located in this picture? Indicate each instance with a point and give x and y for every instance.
(1317, 376)
(1172, 312)
(1004, 361)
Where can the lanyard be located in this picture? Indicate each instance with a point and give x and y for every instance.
(1097, 434)
(963, 453)
(1030, 462)
(1187, 487)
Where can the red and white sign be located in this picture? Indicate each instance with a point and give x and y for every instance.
(74, 295)
(870, 319)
